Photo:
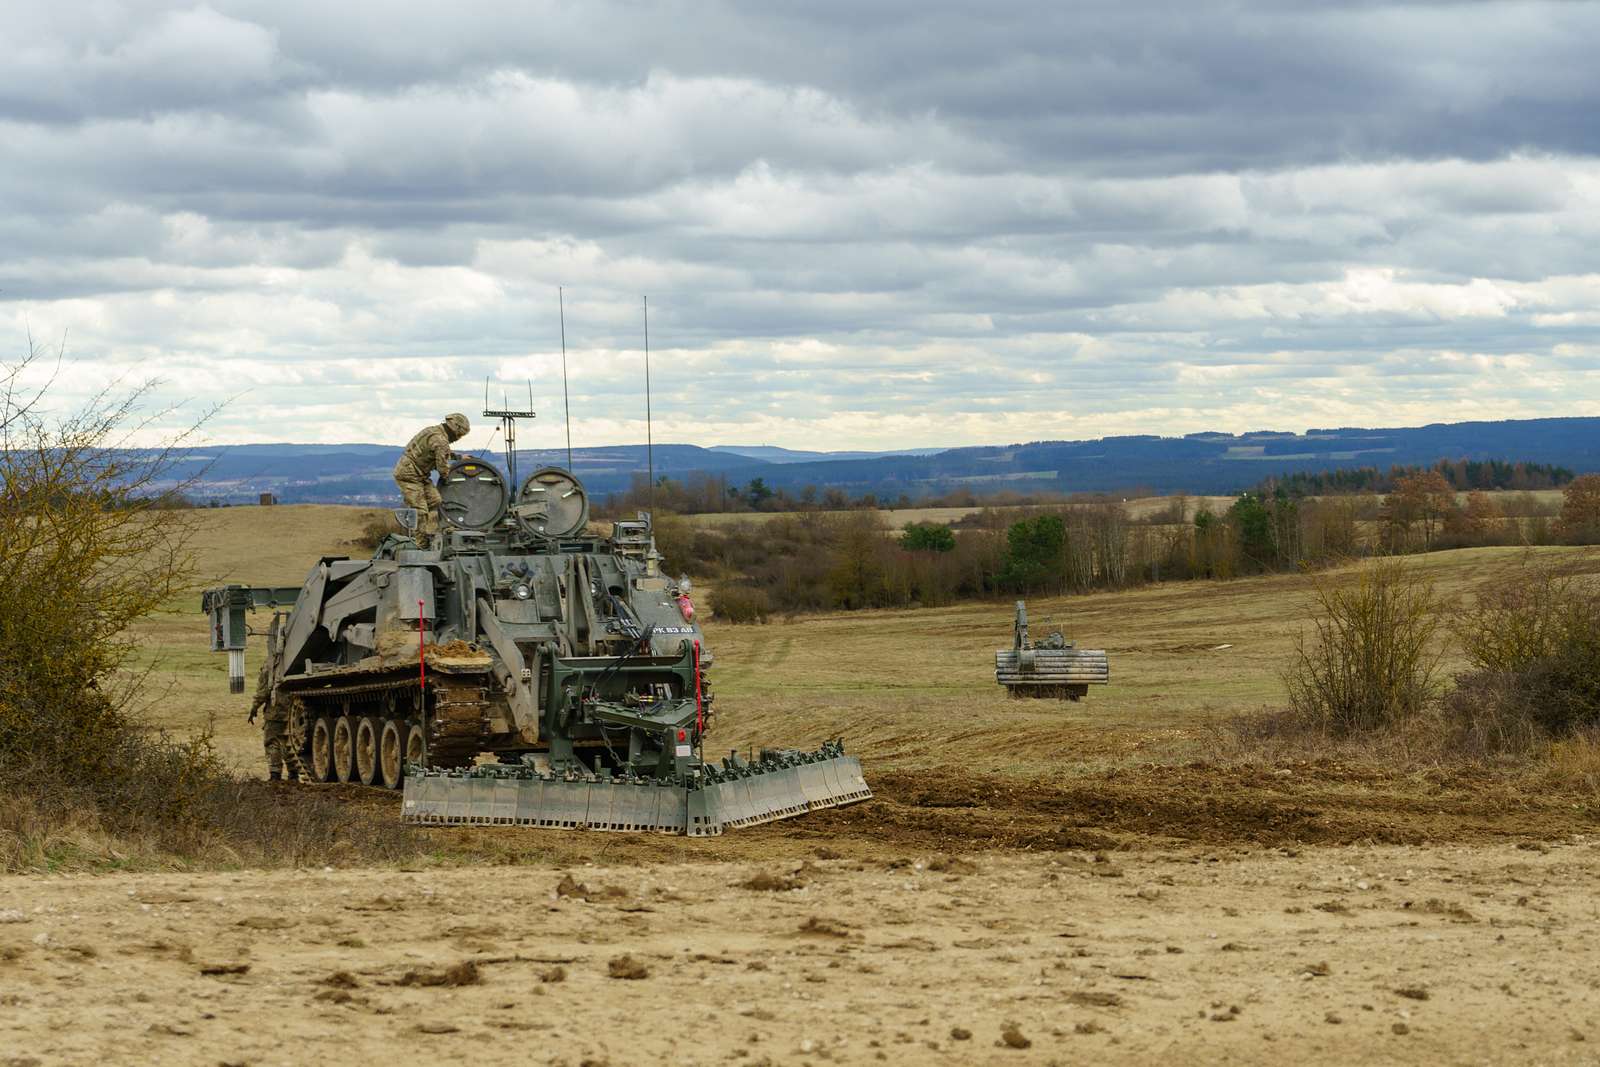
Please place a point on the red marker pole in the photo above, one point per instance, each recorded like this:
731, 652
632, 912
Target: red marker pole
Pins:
699, 705
422, 648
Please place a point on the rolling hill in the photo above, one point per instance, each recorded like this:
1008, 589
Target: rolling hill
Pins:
1197, 463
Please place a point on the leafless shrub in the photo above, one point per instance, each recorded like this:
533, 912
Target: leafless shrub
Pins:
1371, 659
741, 603
375, 526
1533, 640
89, 549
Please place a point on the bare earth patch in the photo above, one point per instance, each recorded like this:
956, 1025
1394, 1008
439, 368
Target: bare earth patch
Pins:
1033, 959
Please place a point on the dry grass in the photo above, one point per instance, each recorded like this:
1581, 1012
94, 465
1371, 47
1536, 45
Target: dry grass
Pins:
908, 689
236, 823
914, 691
275, 545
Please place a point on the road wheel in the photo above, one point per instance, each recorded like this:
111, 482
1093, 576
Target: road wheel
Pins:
344, 749
392, 753
322, 750
416, 746
367, 731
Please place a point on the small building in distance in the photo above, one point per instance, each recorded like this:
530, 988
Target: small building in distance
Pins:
268, 498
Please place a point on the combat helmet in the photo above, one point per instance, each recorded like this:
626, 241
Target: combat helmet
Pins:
456, 425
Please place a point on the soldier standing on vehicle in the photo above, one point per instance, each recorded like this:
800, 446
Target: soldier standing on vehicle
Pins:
428, 451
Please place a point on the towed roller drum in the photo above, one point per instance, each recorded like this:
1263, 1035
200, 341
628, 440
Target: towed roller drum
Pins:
1051, 672
1052, 668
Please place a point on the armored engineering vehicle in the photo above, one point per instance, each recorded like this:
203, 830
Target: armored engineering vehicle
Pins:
1050, 668
520, 671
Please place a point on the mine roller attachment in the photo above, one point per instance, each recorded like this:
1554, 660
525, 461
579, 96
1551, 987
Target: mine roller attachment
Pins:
1049, 668
736, 792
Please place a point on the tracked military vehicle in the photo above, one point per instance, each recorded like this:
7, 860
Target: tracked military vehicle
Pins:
1049, 668
520, 671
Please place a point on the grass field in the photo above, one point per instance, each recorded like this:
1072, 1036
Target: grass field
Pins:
909, 689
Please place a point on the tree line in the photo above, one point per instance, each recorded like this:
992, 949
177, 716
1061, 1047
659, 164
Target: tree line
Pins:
820, 561
1460, 474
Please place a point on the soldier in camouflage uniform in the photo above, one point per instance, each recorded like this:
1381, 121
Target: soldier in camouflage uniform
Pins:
429, 451
275, 729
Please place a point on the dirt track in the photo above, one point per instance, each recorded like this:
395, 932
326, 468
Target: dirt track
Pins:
1372, 954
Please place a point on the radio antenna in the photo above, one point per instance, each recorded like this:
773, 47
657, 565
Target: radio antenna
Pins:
566, 399
649, 435
508, 417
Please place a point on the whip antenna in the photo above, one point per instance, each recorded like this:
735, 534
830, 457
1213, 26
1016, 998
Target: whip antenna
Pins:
566, 400
649, 437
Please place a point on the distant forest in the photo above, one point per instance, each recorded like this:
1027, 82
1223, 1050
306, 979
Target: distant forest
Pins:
1462, 475
699, 493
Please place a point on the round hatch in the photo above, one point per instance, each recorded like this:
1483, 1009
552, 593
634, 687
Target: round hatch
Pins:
473, 495
552, 503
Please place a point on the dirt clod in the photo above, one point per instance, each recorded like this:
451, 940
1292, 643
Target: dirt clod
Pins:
1013, 1037
960, 1033
816, 926
767, 882
1413, 992
1092, 999
1451, 911
462, 974
628, 968
216, 969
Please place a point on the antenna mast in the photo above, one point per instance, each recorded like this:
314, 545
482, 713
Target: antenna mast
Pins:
508, 423
649, 435
566, 400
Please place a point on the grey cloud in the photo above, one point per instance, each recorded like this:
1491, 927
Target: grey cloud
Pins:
853, 220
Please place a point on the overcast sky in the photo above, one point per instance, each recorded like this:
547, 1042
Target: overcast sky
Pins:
859, 225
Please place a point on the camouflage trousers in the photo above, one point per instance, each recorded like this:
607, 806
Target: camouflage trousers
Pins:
419, 493
275, 737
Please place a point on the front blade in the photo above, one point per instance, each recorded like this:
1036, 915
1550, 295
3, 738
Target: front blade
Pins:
625, 806
746, 794
779, 786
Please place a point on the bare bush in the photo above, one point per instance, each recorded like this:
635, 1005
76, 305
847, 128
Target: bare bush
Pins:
1522, 619
1533, 640
741, 604
1371, 659
375, 526
89, 548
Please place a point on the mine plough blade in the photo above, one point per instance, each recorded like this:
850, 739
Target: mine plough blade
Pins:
734, 793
